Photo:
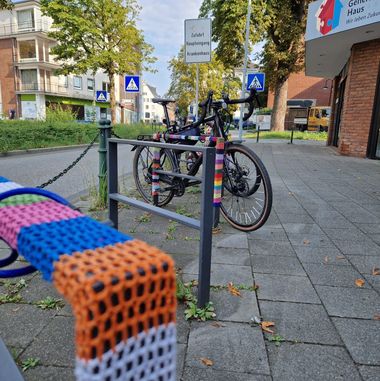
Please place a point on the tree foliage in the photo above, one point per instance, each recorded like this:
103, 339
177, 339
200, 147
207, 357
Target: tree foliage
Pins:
5, 4
97, 35
212, 76
228, 29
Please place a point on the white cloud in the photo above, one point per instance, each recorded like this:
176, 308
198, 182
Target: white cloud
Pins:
163, 26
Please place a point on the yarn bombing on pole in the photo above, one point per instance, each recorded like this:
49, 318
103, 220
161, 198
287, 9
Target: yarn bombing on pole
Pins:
122, 290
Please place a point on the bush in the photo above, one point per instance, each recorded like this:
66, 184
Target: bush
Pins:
55, 113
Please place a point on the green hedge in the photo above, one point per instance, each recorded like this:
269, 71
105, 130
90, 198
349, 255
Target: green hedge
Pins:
22, 134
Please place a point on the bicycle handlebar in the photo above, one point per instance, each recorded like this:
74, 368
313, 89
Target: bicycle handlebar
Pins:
250, 100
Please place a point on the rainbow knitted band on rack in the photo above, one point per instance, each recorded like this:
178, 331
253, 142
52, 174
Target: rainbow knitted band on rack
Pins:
122, 290
219, 160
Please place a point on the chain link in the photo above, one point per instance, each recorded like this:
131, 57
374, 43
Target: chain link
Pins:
116, 135
67, 169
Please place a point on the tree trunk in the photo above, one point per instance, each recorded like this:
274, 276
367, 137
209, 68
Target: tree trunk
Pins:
279, 107
112, 97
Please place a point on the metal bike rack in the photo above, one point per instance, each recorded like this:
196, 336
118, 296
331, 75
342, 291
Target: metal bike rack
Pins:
204, 224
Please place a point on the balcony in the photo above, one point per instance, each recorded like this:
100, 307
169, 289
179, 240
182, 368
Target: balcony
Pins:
33, 62
7, 30
41, 87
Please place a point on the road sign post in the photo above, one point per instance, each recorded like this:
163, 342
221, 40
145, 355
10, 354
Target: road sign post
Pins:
132, 85
101, 96
197, 47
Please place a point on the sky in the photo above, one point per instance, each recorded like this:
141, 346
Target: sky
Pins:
163, 26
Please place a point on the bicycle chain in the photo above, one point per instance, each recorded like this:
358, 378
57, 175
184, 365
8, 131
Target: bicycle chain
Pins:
67, 169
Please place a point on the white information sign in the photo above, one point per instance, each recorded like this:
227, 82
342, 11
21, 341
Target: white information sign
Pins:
197, 40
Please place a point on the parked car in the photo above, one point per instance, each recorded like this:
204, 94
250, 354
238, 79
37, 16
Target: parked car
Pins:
247, 125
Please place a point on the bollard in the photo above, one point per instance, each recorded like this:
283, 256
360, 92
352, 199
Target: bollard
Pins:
291, 136
258, 133
104, 134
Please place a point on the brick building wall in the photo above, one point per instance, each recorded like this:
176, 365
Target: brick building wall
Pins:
7, 77
304, 87
359, 98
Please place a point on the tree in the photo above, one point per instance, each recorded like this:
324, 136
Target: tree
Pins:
281, 24
228, 29
5, 4
212, 76
97, 35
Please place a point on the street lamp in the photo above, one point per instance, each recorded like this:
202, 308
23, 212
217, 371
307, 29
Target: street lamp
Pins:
325, 87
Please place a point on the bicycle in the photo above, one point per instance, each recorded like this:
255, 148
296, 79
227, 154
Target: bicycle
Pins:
247, 190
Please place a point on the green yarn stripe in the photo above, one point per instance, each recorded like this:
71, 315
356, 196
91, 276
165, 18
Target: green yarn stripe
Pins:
22, 199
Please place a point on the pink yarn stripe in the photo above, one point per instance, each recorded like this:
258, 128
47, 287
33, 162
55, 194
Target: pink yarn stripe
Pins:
13, 218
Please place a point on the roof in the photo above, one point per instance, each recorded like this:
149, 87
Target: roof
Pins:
153, 90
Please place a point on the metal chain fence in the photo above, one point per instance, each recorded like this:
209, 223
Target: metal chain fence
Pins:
72, 165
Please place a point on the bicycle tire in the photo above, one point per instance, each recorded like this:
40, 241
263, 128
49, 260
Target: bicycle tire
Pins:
263, 181
146, 189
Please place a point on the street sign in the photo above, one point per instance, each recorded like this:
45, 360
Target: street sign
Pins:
197, 40
132, 83
256, 81
101, 96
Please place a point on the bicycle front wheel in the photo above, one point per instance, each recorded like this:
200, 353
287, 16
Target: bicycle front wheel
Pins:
247, 190
142, 173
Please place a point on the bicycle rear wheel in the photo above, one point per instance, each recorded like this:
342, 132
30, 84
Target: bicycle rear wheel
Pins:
247, 190
142, 173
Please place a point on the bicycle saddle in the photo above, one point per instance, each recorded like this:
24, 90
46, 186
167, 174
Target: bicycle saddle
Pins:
163, 101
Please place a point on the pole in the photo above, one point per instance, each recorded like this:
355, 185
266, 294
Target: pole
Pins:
197, 93
105, 134
244, 68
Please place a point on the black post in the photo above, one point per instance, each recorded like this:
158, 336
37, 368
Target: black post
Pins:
207, 217
258, 133
291, 136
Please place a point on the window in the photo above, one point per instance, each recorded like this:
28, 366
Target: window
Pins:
77, 82
63, 81
25, 19
106, 87
147, 107
147, 115
27, 49
90, 84
29, 79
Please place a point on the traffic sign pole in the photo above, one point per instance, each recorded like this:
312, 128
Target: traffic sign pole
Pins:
244, 69
197, 94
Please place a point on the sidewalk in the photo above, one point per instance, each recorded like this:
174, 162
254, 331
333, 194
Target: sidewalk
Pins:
322, 236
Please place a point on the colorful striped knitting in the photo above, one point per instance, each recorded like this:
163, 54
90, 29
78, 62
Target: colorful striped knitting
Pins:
219, 160
122, 290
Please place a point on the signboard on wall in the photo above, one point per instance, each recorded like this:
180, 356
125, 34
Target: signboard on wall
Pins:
327, 17
197, 40
28, 109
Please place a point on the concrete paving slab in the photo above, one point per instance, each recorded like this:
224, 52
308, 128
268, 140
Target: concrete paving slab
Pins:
374, 281
275, 235
295, 218
230, 256
362, 339
349, 302
370, 373
299, 228
311, 240
367, 247
235, 241
299, 322
183, 326
260, 247
239, 309
300, 362
348, 234
230, 348
369, 228
325, 255
55, 344
49, 373
365, 264
20, 323
222, 274
180, 360
286, 288
38, 289
332, 275
277, 265
192, 374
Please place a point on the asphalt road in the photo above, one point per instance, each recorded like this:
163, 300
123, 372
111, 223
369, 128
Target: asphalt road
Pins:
35, 169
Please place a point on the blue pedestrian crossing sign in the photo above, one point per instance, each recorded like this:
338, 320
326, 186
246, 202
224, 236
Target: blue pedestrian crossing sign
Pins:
256, 81
101, 96
132, 83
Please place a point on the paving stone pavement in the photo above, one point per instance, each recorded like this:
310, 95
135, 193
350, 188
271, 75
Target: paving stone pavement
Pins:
323, 235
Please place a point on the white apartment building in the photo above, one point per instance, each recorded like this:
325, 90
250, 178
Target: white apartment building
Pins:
151, 112
28, 83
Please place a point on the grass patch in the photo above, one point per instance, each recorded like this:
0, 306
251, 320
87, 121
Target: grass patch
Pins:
298, 135
12, 294
50, 303
25, 134
183, 211
29, 363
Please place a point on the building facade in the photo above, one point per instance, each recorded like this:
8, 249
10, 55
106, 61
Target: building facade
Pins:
343, 43
28, 83
151, 112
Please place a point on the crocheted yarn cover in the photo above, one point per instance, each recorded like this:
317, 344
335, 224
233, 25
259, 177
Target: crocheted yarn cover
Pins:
122, 290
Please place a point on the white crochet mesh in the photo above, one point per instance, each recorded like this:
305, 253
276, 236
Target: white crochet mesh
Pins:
8, 186
151, 356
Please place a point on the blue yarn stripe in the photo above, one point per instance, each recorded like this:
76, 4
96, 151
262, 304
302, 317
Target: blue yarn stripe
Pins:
43, 244
3, 180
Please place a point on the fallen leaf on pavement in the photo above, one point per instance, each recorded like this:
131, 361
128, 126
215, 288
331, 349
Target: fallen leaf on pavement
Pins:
265, 326
306, 242
233, 290
216, 324
326, 259
340, 257
376, 317
359, 282
375, 271
207, 361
